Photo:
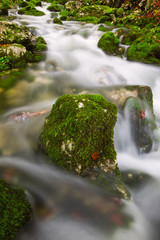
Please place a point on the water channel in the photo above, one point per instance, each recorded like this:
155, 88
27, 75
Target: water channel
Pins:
74, 64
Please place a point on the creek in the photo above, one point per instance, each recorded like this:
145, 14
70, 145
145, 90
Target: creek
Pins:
74, 64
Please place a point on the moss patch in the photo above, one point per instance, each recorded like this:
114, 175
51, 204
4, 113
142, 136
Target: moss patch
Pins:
30, 10
77, 127
146, 48
54, 7
41, 45
15, 211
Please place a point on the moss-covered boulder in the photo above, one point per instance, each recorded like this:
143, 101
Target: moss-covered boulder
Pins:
54, 7
12, 33
79, 132
18, 46
30, 10
15, 211
57, 21
41, 45
108, 43
15, 53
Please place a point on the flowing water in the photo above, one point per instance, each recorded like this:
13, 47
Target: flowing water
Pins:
72, 209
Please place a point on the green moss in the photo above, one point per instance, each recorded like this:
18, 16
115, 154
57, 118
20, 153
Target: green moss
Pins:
146, 48
120, 11
15, 211
131, 36
104, 19
108, 43
30, 11
8, 80
103, 29
54, 7
57, 21
108, 10
4, 63
23, 4
93, 20
78, 126
41, 45
64, 14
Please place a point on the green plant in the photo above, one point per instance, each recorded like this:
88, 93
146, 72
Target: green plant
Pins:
4, 63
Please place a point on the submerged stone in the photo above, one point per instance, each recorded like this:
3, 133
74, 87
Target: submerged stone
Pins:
78, 128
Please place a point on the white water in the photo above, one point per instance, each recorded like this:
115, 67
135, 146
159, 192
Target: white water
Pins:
74, 62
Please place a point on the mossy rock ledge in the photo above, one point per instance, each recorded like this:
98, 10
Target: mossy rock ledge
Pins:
18, 46
78, 136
